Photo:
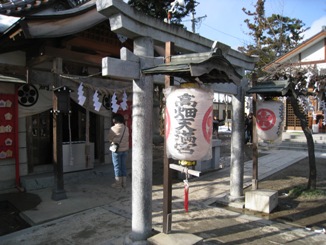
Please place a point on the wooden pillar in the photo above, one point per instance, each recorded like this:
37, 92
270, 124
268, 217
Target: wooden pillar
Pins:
58, 192
167, 174
87, 145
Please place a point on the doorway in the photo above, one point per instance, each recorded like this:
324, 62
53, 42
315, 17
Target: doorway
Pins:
39, 139
40, 136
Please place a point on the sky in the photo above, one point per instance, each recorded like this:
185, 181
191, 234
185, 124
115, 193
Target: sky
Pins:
224, 21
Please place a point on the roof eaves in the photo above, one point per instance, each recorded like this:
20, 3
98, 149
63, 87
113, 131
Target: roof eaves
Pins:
11, 79
314, 38
209, 67
271, 88
7, 23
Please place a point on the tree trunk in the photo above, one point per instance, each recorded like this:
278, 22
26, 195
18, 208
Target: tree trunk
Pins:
312, 182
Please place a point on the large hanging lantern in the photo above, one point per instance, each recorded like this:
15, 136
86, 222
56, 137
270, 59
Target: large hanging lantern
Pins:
189, 123
269, 120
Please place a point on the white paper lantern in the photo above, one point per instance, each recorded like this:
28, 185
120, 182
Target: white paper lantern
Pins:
269, 120
189, 123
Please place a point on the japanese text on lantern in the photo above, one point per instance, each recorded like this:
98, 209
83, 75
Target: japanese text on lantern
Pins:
185, 114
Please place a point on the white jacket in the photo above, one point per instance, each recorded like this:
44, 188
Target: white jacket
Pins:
115, 134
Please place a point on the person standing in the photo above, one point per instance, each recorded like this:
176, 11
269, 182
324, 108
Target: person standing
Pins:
249, 125
119, 133
245, 128
216, 123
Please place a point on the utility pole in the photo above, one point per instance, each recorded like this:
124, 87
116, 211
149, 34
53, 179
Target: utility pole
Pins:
195, 21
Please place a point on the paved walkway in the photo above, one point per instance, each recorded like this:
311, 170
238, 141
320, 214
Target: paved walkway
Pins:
94, 213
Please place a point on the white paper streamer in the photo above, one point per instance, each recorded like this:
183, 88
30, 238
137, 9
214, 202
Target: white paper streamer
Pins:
124, 104
97, 103
115, 106
81, 97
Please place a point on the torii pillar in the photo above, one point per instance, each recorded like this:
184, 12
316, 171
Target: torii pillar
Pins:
128, 68
237, 142
142, 154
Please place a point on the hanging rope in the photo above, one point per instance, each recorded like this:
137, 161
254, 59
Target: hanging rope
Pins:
106, 86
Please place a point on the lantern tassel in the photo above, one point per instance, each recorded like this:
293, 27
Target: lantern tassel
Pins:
186, 192
186, 200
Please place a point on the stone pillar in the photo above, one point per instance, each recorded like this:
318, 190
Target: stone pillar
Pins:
142, 155
237, 147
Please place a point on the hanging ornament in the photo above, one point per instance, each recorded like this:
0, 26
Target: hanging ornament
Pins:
81, 97
186, 192
124, 104
106, 102
27, 95
115, 105
97, 104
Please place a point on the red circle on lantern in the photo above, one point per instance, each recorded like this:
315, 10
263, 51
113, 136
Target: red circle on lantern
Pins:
266, 119
167, 123
207, 125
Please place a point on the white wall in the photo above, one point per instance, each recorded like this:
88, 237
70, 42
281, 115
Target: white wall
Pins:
314, 53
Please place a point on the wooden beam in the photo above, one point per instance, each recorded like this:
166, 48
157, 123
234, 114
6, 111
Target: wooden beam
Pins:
67, 55
38, 60
109, 49
184, 170
9, 70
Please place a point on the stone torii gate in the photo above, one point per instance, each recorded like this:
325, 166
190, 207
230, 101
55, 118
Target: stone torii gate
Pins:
142, 157
149, 34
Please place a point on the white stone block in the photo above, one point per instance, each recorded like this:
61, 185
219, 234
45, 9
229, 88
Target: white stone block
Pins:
261, 200
214, 162
175, 238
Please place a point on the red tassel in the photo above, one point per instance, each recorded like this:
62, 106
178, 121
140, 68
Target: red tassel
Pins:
186, 194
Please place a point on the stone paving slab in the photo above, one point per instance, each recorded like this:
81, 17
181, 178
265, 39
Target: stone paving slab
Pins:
93, 226
94, 213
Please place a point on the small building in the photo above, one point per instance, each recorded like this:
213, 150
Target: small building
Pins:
310, 55
98, 50
53, 43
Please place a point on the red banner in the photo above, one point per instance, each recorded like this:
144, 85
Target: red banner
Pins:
7, 126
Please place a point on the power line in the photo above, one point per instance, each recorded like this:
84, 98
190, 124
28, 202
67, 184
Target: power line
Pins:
195, 21
227, 34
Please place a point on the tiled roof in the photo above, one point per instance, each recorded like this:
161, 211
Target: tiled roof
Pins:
300, 48
211, 67
15, 7
6, 22
18, 7
271, 88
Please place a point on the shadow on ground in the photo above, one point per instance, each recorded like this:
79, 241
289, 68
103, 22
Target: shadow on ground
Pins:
11, 204
301, 211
